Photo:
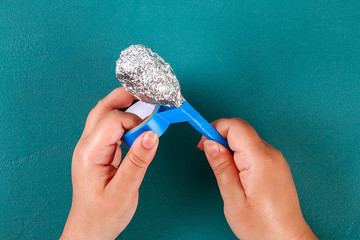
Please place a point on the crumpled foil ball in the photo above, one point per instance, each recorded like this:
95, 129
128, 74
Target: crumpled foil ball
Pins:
148, 77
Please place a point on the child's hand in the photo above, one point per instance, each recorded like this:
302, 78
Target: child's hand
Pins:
260, 199
105, 196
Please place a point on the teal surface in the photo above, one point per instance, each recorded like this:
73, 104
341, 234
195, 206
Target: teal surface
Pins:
290, 68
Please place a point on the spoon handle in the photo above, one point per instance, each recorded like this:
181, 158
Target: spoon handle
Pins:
203, 126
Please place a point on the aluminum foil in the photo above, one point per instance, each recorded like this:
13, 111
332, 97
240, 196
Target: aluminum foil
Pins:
148, 77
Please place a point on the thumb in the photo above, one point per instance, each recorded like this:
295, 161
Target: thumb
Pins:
226, 173
133, 168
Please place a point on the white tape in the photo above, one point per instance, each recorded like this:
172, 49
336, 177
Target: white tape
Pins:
141, 109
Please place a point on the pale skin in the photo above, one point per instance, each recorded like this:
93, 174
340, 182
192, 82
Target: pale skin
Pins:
260, 198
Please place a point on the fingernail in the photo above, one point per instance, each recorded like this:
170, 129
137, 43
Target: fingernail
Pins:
150, 139
211, 148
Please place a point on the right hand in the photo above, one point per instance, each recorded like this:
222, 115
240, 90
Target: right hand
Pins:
260, 198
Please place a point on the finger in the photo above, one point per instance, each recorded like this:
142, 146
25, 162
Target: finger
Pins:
226, 173
133, 168
117, 156
203, 138
201, 143
251, 154
239, 134
118, 98
101, 143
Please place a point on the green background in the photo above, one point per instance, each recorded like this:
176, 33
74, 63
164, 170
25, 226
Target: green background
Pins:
290, 68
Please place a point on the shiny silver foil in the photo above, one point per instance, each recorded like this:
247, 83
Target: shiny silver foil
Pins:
148, 77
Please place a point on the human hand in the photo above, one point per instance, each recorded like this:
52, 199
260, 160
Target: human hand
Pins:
260, 198
105, 195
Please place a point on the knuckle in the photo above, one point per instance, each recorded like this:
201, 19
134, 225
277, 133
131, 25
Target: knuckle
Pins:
114, 114
100, 103
222, 120
279, 158
236, 121
273, 159
246, 129
120, 90
137, 160
242, 161
222, 167
81, 156
241, 122
91, 114
277, 153
219, 122
273, 154
79, 149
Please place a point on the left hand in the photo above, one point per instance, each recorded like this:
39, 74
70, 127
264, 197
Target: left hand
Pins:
105, 195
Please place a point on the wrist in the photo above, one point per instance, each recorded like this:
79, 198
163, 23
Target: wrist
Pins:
305, 233
77, 228
75, 231
308, 235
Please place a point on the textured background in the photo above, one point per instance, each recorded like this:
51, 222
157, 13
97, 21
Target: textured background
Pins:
290, 68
